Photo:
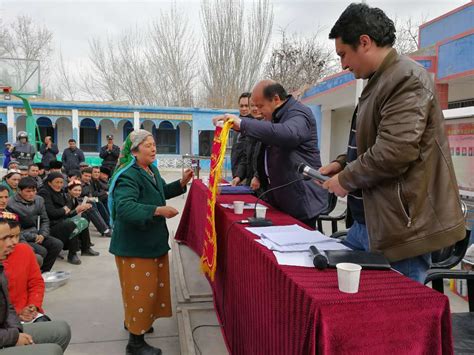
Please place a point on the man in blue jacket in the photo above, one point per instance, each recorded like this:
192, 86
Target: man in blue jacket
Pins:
289, 136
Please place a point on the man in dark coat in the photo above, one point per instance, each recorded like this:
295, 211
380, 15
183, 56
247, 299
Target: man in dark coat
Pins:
290, 138
48, 150
238, 154
72, 157
110, 153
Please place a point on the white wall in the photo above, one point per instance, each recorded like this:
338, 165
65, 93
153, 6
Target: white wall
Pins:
184, 138
461, 90
340, 129
64, 129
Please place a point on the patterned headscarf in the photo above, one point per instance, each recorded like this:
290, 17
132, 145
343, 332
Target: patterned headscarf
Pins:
125, 162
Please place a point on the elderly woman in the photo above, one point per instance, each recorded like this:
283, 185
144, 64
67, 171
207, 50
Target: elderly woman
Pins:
137, 201
61, 224
11, 180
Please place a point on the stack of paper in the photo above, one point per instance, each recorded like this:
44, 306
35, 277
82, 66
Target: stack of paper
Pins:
290, 244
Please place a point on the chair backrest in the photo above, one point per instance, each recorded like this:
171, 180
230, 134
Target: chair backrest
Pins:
331, 205
449, 257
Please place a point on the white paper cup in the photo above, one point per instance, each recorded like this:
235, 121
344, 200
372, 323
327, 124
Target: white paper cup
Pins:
348, 276
260, 211
238, 207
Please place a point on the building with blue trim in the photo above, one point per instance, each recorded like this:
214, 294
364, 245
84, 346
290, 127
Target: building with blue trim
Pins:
177, 131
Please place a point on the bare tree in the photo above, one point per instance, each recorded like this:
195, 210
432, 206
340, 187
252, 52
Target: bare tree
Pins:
234, 47
174, 54
298, 62
66, 85
25, 39
407, 35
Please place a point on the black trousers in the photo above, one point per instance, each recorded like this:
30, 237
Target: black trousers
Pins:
93, 216
49, 249
64, 229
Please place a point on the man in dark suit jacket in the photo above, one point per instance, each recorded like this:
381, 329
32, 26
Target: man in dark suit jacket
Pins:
290, 138
238, 153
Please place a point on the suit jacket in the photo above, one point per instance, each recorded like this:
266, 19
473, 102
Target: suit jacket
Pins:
290, 139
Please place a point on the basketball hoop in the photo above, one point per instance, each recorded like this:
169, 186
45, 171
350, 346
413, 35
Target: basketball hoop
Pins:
6, 90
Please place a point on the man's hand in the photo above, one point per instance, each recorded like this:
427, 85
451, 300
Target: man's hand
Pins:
187, 176
24, 339
235, 181
255, 183
333, 185
218, 120
67, 209
329, 170
166, 211
39, 239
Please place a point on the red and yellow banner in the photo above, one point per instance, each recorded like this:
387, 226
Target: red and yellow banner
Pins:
209, 253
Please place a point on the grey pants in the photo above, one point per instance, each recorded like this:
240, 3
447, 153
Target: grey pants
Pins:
50, 338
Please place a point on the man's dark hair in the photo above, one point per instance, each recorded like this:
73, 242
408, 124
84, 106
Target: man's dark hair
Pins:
32, 165
86, 171
361, 19
271, 90
245, 95
72, 140
74, 173
3, 188
95, 167
27, 183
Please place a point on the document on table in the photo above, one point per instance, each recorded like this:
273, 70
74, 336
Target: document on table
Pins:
287, 238
247, 205
258, 231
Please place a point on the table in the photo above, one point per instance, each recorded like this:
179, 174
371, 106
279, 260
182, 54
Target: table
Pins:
266, 308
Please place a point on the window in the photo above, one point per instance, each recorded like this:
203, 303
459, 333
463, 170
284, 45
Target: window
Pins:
89, 137
166, 138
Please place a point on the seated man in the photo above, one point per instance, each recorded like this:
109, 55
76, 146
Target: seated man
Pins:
33, 172
88, 190
25, 283
35, 223
48, 338
104, 177
99, 190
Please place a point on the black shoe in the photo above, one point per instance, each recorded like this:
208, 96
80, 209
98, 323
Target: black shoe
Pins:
138, 346
107, 233
90, 252
72, 258
149, 331
92, 244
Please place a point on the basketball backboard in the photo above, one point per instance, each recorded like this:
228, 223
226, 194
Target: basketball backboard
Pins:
21, 75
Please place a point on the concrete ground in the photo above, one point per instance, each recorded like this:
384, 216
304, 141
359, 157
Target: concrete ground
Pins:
91, 302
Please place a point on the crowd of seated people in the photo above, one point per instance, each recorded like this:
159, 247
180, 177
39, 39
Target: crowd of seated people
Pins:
42, 212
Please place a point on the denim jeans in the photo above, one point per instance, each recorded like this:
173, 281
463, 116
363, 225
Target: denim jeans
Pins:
415, 268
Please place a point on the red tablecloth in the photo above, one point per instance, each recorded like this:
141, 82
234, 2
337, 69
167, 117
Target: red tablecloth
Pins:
266, 308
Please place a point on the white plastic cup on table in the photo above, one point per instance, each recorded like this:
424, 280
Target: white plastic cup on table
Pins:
205, 180
260, 211
238, 207
348, 277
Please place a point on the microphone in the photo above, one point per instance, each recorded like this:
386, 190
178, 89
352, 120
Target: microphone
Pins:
311, 173
263, 222
320, 261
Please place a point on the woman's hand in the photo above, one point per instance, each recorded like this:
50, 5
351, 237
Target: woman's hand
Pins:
67, 209
187, 176
166, 211
82, 208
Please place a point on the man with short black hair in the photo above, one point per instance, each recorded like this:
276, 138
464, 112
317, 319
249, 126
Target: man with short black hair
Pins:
110, 153
33, 172
48, 150
289, 134
237, 155
72, 157
34, 222
397, 173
